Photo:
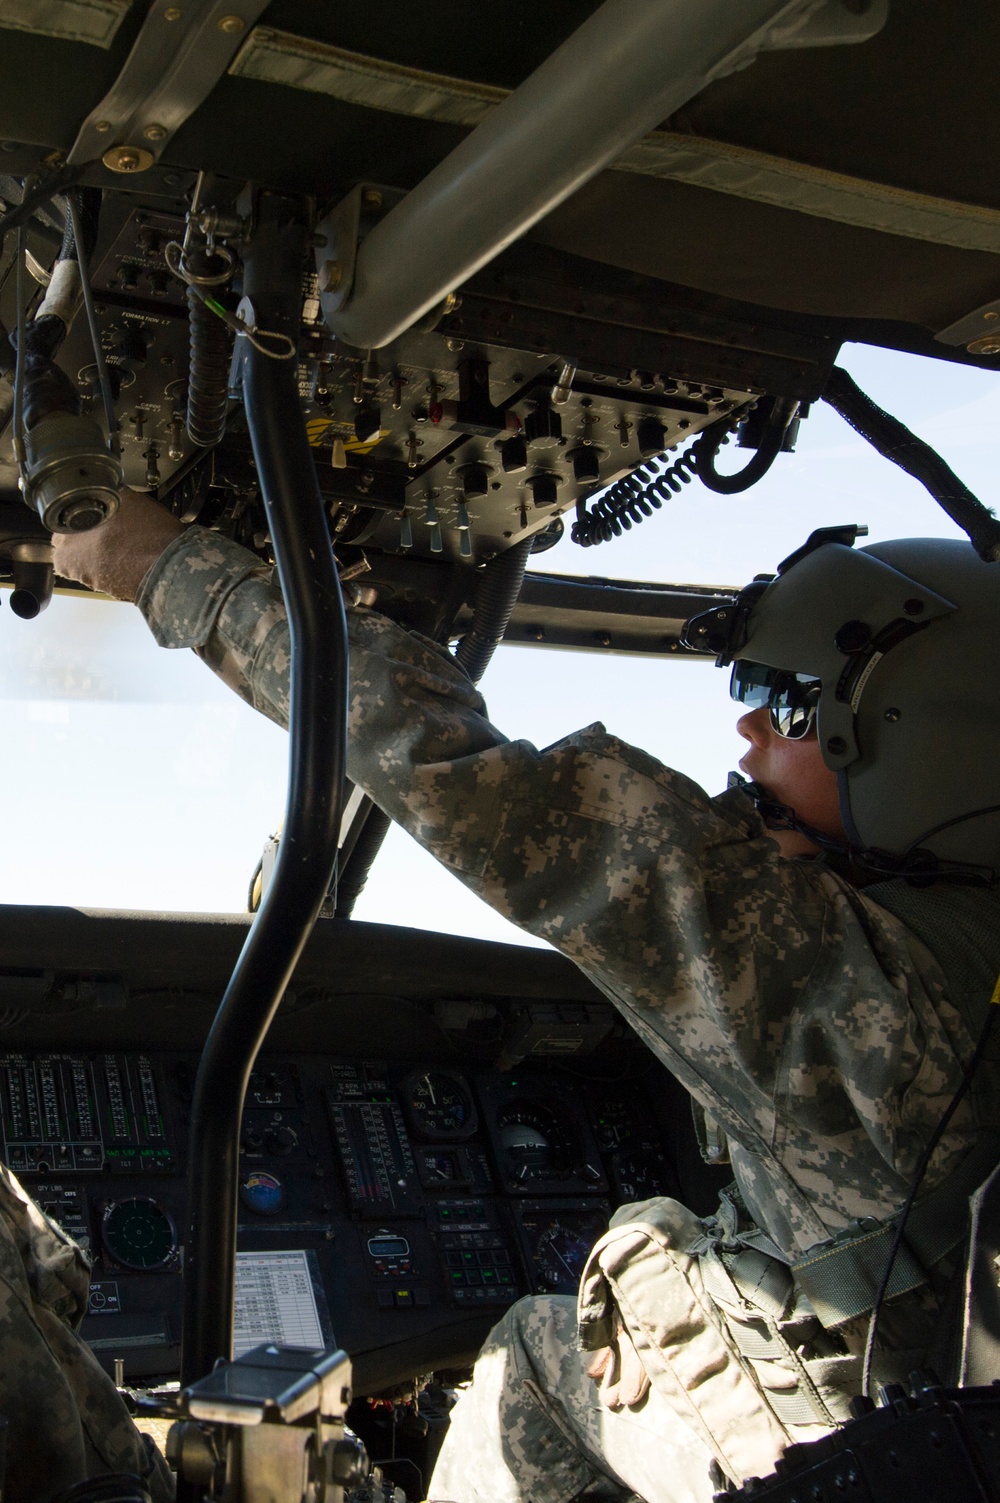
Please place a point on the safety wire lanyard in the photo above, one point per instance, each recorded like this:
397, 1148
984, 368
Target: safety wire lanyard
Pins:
174, 256
928, 1154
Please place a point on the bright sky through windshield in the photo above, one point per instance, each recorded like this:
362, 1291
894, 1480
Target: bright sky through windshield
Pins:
137, 781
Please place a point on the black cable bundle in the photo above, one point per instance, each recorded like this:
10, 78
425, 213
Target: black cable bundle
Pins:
894, 441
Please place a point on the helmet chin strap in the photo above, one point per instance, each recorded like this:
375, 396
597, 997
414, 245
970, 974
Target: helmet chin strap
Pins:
921, 867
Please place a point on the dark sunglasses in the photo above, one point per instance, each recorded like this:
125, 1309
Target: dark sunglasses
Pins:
792, 699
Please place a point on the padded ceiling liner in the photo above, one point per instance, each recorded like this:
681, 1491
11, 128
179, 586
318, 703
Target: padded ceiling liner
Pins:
771, 257
915, 108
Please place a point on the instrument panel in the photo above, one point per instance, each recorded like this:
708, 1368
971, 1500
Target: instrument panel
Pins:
383, 1202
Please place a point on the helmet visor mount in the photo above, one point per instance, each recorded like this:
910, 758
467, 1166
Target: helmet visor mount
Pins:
791, 699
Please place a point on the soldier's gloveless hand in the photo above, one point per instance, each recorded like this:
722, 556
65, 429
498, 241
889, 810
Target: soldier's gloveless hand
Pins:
113, 559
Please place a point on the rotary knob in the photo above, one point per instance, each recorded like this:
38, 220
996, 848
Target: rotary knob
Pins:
651, 437
543, 427
475, 481
543, 489
280, 1140
586, 464
514, 454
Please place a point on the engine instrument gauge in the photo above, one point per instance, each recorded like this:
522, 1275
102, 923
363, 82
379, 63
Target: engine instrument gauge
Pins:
138, 1233
439, 1106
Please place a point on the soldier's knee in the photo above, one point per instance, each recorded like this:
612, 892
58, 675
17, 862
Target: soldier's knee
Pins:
534, 1320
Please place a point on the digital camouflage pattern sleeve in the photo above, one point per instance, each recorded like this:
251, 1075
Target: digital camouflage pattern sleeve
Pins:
66, 1419
806, 1019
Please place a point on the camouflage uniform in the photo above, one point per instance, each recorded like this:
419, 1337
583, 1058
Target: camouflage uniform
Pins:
803, 1016
66, 1419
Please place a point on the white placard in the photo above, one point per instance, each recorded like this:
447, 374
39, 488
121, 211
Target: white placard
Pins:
275, 1301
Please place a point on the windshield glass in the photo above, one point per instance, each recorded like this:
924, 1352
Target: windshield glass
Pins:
138, 781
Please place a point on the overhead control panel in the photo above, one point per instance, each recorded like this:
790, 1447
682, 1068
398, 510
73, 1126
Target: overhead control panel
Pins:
449, 445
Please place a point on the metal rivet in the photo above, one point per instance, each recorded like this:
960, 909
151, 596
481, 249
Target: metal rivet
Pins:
913, 607
231, 25
836, 746
102, 127
990, 314
331, 274
990, 345
127, 159
372, 198
155, 132
892, 714
172, 13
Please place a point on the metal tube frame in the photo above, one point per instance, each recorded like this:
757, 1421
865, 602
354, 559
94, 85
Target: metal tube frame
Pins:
618, 76
317, 754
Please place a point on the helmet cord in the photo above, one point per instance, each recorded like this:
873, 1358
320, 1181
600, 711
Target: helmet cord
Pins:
915, 864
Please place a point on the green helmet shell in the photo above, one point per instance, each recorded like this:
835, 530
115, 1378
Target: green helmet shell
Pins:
905, 638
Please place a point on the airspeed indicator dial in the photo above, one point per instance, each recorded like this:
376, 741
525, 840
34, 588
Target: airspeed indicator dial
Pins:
439, 1106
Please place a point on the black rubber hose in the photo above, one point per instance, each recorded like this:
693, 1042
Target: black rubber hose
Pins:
704, 451
894, 441
210, 352
496, 597
274, 264
357, 867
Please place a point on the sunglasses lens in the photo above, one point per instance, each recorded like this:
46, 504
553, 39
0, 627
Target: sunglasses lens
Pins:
791, 698
793, 721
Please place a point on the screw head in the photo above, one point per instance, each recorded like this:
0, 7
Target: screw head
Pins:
892, 714
990, 314
372, 198
127, 159
102, 127
172, 13
231, 25
155, 132
331, 274
989, 345
836, 746
913, 607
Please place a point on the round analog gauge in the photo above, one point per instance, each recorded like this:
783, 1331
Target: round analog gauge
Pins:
439, 1105
559, 1245
561, 1255
536, 1145
439, 1168
139, 1234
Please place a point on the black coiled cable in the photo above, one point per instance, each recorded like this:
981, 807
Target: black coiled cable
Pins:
208, 373
637, 495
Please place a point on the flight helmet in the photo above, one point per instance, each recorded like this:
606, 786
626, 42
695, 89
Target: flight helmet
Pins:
891, 653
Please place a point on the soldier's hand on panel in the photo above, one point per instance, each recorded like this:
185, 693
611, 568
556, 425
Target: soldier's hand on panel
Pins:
114, 558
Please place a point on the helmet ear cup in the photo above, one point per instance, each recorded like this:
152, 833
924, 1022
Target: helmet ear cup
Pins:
928, 721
